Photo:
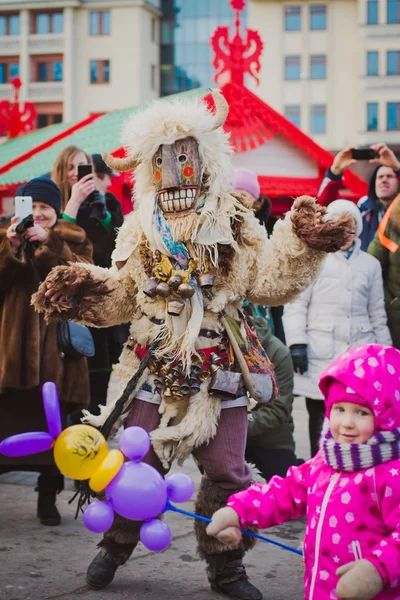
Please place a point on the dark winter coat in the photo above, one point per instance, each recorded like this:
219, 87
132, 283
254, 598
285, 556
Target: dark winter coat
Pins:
271, 425
390, 262
371, 208
29, 350
103, 241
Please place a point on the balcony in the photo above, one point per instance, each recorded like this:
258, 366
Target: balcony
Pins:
6, 91
381, 83
47, 91
47, 43
10, 45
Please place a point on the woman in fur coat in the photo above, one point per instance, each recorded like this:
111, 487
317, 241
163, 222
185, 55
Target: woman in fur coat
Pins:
29, 350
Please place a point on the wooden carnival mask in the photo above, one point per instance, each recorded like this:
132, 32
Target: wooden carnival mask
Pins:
177, 176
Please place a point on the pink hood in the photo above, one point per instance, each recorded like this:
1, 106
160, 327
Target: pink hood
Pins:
371, 371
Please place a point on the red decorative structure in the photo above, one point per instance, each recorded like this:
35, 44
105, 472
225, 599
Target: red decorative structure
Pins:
252, 123
14, 120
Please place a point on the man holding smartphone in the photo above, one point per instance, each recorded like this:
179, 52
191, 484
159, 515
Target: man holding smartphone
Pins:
384, 185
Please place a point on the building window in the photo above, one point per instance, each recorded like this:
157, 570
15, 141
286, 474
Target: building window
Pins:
372, 63
372, 12
318, 67
393, 62
9, 68
9, 25
393, 116
46, 120
292, 18
292, 113
292, 67
47, 68
50, 71
318, 16
318, 118
99, 71
46, 22
393, 11
372, 116
100, 22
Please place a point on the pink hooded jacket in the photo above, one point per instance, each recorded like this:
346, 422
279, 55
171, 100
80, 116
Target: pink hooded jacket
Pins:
350, 515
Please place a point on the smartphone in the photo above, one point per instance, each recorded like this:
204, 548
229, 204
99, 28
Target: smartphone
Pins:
363, 153
23, 206
84, 170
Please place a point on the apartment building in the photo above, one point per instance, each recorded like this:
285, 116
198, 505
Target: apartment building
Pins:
77, 57
332, 67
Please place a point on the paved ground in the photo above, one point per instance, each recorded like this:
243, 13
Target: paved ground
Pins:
49, 563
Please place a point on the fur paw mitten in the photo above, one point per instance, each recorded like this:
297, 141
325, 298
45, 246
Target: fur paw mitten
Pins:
310, 224
359, 580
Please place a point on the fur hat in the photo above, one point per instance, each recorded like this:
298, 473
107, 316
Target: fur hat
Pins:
338, 207
244, 179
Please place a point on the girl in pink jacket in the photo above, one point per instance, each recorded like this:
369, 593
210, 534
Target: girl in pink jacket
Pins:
350, 491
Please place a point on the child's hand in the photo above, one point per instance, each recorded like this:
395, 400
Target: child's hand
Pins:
359, 580
225, 526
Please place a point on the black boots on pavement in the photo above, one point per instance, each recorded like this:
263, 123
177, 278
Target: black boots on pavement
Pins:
102, 569
48, 486
227, 575
226, 572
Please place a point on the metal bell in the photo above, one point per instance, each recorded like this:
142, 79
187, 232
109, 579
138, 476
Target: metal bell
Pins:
176, 386
206, 280
163, 289
195, 388
185, 389
204, 375
150, 288
223, 348
196, 369
167, 393
214, 368
175, 307
185, 290
214, 358
174, 281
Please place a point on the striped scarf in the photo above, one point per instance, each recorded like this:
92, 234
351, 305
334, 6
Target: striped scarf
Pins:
382, 447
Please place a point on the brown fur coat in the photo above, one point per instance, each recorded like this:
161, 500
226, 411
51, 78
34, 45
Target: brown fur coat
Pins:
29, 351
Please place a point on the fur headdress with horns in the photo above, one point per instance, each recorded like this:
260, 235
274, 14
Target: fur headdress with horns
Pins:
165, 122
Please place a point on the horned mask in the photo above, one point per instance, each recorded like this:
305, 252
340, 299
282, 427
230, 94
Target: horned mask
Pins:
179, 175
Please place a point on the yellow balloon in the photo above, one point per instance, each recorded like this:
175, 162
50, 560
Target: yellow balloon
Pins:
106, 471
79, 450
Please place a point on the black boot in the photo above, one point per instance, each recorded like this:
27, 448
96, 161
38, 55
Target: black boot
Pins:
227, 575
102, 569
48, 486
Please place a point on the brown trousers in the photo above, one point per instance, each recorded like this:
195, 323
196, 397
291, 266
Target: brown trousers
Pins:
223, 460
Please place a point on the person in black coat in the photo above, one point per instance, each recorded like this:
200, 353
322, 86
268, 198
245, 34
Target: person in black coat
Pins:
87, 203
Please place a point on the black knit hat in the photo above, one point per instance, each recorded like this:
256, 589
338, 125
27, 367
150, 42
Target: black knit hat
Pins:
101, 167
42, 189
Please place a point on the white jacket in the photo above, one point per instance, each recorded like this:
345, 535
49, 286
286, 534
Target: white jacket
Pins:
343, 307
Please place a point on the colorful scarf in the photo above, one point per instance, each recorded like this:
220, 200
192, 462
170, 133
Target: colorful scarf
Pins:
382, 447
180, 332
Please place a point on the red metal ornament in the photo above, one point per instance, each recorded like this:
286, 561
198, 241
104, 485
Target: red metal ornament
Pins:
16, 120
188, 171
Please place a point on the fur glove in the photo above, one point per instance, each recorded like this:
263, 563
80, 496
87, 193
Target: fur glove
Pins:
225, 526
359, 580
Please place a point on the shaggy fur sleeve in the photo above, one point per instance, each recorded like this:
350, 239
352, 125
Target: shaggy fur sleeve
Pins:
288, 262
89, 295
